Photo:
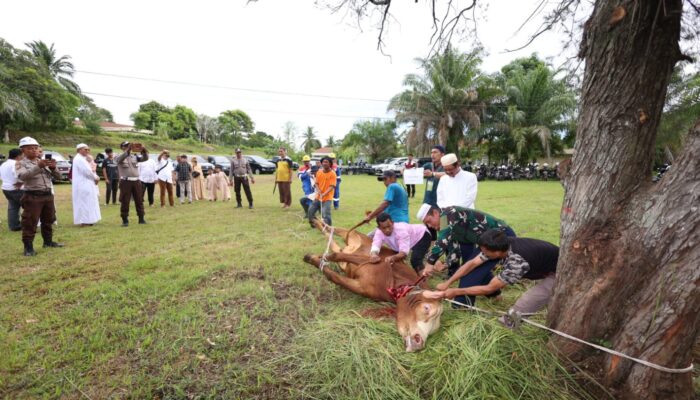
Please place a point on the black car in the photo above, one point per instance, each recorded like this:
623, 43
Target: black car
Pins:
206, 166
273, 160
422, 161
221, 161
260, 165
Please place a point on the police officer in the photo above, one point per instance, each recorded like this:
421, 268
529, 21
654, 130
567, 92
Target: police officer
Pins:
37, 201
238, 176
129, 183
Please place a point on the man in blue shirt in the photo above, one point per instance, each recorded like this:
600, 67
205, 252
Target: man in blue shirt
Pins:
305, 174
395, 202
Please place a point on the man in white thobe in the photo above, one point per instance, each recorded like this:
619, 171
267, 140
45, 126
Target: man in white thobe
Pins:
86, 204
457, 187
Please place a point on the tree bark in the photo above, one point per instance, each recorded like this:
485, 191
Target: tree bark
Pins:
628, 270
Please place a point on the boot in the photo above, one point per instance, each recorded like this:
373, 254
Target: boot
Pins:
125, 221
142, 221
250, 206
29, 249
51, 243
239, 205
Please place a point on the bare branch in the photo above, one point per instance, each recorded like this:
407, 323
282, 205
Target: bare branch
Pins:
554, 18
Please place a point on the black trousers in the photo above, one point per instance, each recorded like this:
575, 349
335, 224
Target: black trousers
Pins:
112, 189
419, 250
37, 208
237, 182
127, 190
148, 187
411, 190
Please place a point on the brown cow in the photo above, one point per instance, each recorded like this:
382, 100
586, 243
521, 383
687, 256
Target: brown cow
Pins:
416, 316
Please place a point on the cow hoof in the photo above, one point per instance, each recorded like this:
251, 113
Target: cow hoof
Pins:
311, 259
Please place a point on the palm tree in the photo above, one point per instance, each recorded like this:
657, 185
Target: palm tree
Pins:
13, 107
537, 105
60, 68
445, 104
310, 142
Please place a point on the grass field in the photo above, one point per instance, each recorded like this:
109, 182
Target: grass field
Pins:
208, 301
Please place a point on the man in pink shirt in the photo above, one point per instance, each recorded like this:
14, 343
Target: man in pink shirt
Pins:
402, 238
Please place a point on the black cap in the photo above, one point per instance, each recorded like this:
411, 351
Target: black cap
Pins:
389, 173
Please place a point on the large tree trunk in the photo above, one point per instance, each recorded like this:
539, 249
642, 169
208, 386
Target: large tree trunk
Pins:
628, 269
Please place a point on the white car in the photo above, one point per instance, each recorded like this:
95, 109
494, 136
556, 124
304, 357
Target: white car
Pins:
395, 164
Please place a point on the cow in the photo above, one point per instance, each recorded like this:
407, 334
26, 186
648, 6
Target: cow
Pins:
416, 316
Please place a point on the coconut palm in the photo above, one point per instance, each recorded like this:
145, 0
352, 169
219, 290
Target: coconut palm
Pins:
444, 104
310, 142
538, 104
61, 68
13, 106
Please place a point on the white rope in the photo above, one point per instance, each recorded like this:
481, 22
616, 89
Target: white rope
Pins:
575, 339
324, 262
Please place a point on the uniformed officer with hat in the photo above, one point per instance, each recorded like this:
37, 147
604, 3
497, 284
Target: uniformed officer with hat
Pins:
37, 201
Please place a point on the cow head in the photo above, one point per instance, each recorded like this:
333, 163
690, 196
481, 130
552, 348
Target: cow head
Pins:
416, 318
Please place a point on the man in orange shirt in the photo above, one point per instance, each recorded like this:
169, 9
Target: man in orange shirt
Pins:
326, 181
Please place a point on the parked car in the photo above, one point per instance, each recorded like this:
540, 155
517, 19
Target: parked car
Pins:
222, 161
273, 160
62, 164
395, 164
260, 165
206, 166
422, 161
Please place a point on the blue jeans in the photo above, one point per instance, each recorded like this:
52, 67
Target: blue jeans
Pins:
478, 276
13, 205
305, 204
325, 210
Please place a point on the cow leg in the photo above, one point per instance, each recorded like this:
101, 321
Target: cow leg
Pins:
334, 247
352, 285
349, 258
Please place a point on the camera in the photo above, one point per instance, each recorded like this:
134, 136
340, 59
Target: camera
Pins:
48, 157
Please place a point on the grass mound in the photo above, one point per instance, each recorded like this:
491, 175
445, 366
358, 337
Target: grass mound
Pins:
471, 357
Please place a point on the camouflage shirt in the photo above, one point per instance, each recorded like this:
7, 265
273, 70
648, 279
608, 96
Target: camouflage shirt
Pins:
461, 225
514, 268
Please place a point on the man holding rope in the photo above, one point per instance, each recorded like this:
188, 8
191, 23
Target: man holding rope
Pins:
521, 258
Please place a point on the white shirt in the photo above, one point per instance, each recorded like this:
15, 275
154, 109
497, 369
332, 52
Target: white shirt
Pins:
457, 191
147, 171
166, 173
7, 174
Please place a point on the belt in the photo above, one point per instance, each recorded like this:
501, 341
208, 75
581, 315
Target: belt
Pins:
131, 178
240, 176
38, 193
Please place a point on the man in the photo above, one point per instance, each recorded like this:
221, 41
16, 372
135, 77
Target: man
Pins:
433, 171
111, 175
461, 230
457, 188
283, 177
148, 177
410, 164
402, 238
325, 186
129, 184
164, 171
11, 188
238, 176
307, 183
37, 200
395, 202
521, 258
85, 189
337, 169
183, 171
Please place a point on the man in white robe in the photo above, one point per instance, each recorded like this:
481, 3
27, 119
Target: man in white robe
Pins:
86, 204
457, 187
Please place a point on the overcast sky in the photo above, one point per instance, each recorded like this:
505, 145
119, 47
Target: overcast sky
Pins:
266, 46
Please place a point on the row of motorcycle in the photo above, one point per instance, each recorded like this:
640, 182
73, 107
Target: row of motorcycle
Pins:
514, 172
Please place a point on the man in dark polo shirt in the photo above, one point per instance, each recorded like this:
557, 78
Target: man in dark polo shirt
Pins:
521, 258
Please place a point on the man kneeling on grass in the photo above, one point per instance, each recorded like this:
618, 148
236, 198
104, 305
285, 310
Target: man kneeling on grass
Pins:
521, 258
402, 238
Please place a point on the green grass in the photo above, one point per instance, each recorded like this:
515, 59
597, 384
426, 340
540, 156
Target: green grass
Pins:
208, 301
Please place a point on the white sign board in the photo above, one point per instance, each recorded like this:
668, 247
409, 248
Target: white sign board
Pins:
413, 176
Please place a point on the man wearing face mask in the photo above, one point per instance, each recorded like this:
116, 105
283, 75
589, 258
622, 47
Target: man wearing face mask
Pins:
37, 201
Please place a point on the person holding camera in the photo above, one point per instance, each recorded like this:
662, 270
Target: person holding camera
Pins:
37, 200
129, 183
86, 204
238, 176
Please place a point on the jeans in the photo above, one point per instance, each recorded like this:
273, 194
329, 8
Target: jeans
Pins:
14, 198
325, 211
305, 204
478, 276
185, 187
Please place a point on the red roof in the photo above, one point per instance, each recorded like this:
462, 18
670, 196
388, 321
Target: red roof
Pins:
324, 150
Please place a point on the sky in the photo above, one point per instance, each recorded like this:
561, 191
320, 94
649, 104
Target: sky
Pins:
277, 60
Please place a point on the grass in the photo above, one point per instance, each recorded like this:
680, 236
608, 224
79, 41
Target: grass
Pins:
209, 301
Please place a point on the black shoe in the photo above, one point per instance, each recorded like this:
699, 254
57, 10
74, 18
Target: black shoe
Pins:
125, 221
142, 221
239, 205
250, 206
29, 250
16, 230
52, 244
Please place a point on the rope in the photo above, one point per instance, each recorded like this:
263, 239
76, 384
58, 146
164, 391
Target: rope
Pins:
516, 317
324, 262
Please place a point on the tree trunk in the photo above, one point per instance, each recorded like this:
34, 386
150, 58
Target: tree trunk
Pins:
6, 135
628, 270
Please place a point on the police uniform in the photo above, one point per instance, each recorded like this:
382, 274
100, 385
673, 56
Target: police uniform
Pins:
37, 201
129, 186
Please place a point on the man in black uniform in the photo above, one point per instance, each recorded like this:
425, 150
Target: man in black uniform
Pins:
37, 200
521, 258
